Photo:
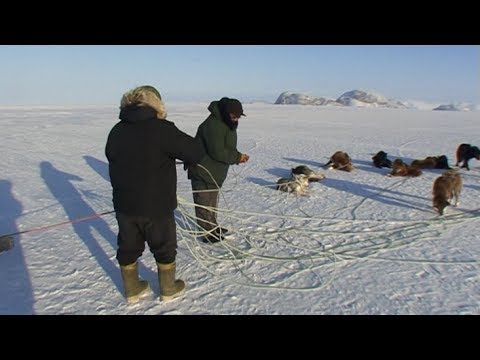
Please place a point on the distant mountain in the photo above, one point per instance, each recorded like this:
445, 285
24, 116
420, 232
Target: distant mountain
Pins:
355, 98
455, 107
360, 98
365, 99
287, 98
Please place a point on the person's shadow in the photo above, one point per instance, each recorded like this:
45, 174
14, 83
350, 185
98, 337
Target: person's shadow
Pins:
101, 167
16, 294
59, 184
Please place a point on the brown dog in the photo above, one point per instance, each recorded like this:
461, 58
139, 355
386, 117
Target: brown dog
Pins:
399, 168
340, 161
432, 162
428, 163
445, 188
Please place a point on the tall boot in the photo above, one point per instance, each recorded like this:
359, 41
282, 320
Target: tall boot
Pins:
169, 287
134, 287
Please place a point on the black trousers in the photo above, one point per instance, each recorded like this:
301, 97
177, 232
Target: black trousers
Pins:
159, 233
206, 219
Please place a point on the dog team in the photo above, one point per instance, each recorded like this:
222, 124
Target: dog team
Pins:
446, 188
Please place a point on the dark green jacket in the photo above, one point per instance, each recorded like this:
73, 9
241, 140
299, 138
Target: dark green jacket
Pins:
220, 142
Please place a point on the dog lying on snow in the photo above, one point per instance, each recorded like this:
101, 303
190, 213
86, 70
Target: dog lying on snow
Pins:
297, 184
305, 170
399, 168
340, 161
380, 160
446, 187
432, 162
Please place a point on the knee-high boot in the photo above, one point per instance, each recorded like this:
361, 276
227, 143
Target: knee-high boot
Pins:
134, 287
169, 287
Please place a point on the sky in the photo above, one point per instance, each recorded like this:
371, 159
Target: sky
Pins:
358, 243
99, 74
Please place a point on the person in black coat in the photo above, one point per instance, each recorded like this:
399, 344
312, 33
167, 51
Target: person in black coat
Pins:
141, 150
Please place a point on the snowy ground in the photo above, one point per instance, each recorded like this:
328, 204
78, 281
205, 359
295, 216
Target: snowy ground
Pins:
359, 243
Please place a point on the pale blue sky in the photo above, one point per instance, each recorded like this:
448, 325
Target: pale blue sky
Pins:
100, 74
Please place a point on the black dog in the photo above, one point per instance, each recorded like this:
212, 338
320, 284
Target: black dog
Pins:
305, 170
442, 162
380, 160
465, 152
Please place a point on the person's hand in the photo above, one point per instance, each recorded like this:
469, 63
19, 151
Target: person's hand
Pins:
244, 158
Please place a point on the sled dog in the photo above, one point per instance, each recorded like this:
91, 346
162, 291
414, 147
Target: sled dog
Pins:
297, 184
446, 187
305, 170
340, 161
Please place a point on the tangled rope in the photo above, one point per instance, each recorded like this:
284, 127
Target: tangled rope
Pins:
302, 253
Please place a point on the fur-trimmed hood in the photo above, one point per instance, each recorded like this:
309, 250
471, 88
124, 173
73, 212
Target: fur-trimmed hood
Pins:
144, 96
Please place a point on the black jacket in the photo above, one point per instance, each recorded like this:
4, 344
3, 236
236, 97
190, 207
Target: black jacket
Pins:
141, 150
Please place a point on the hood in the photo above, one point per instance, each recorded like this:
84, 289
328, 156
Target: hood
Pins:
135, 113
144, 96
218, 109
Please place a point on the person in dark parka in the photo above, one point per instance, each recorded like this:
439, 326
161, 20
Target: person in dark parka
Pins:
141, 150
218, 135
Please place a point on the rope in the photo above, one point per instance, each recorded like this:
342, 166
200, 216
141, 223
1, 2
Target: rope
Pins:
42, 228
306, 246
300, 248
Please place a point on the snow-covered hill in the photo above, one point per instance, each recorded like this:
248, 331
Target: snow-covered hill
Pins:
455, 107
288, 98
361, 98
356, 98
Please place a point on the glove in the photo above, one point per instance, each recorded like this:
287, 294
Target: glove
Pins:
244, 158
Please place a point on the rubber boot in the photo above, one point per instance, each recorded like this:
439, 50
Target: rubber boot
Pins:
134, 287
169, 287
6, 243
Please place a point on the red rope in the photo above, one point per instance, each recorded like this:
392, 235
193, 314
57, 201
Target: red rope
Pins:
59, 224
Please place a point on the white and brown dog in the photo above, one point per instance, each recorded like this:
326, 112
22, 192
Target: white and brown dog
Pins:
297, 184
446, 187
